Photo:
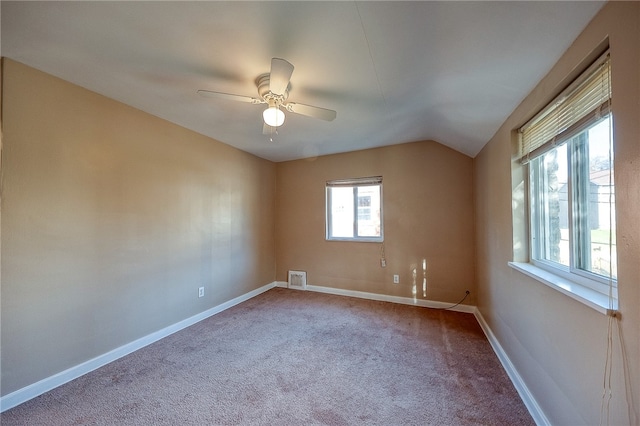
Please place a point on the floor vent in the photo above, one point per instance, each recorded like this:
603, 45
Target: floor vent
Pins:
297, 280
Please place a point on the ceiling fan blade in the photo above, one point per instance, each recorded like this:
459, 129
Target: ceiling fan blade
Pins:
281, 71
229, 97
312, 111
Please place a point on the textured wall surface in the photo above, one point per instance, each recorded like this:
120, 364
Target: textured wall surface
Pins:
427, 211
111, 221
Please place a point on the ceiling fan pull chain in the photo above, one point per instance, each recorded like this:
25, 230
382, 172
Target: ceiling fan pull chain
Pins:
271, 131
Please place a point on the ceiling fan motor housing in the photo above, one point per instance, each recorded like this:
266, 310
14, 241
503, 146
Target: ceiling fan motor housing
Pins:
265, 93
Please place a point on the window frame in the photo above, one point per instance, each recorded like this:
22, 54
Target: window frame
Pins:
354, 183
591, 288
573, 271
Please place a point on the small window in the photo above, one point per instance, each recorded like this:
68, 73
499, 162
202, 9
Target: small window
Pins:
568, 148
354, 209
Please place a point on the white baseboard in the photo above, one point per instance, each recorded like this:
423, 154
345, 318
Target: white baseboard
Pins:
526, 396
392, 299
31, 391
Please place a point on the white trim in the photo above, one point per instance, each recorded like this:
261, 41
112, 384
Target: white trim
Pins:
33, 390
585, 295
526, 396
329, 214
393, 299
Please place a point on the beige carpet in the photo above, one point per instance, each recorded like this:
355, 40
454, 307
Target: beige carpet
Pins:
289, 357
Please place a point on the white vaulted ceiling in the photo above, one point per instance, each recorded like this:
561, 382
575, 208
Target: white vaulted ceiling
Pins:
395, 72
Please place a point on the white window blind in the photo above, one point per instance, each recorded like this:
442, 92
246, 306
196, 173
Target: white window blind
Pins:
373, 180
584, 102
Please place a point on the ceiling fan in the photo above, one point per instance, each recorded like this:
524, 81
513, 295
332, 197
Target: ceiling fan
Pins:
273, 89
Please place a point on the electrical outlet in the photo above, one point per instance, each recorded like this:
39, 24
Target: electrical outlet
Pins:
396, 279
201, 292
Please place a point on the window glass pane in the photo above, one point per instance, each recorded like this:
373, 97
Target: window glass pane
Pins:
341, 212
369, 211
554, 215
601, 203
354, 212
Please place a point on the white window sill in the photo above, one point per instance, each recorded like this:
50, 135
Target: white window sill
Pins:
357, 240
585, 295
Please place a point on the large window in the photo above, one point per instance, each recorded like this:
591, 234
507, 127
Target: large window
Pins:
354, 209
569, 151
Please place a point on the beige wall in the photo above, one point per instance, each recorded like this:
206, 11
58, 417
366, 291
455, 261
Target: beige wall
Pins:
557, 344
111, 220
428, 214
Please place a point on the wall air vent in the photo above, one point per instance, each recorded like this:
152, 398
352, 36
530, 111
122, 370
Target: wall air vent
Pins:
297, 280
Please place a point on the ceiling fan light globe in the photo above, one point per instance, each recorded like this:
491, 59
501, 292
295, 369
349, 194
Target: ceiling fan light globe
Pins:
273, 116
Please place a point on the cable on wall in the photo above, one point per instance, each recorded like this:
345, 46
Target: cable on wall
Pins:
383, 259
613, 316
453, 306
